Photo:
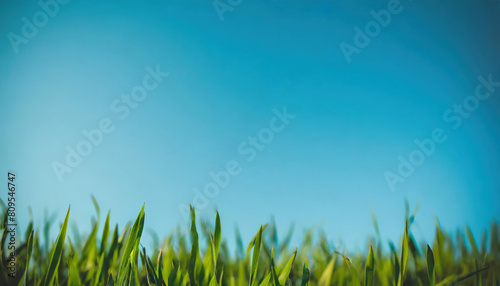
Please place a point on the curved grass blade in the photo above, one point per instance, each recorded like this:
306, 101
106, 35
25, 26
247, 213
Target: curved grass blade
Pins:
252, 242
255, 257
132, 240
56, 254
159, 268
352, 271
286, 271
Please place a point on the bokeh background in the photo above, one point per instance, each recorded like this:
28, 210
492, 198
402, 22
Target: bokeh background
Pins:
226, 75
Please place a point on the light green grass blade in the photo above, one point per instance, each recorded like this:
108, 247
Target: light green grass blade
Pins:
352, 271
56, 254
73, 274
96, 206
252, 242
133, 237
266, 279
369, 268
404, 254
286, 271
213, 281
326, 276
255, 257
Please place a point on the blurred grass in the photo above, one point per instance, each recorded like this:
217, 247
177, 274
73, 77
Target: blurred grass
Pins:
114, 258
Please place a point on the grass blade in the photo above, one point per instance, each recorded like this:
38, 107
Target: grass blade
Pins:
255, 257
56, 254
133, 237
369, 268
286, 271
431, 272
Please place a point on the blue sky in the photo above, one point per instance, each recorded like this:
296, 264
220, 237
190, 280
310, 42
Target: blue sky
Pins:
225, 77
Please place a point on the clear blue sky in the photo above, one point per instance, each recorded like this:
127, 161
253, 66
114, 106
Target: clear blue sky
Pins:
326, 167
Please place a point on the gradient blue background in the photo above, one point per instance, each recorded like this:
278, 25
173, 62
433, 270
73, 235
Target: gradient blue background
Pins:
326, 168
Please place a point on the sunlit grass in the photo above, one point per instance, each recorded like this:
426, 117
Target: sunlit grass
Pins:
118, 258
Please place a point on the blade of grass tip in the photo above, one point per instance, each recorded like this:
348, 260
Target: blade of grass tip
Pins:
404, 254
375, 224
55, 256
252, 242
124, 232
194, 248
274, 276
159, 268
352, 271
326, 276
431, 272
369, 268
28, 256
213, 281
266, 280
114, 244
216, 241
239, 243
484, 240
288, 238
255, 257
133, 236
472, 241
96, 206
105, 234
305, 274
286, 270
407, 209
417, 206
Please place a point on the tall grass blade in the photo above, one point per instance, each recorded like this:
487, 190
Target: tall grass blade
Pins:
55, 256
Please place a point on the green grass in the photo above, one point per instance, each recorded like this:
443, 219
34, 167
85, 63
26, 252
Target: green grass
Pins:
117, 258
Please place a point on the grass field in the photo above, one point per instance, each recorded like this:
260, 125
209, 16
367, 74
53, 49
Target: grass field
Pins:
116, 257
